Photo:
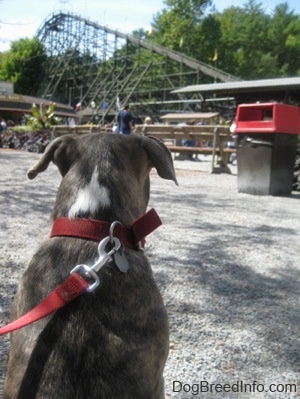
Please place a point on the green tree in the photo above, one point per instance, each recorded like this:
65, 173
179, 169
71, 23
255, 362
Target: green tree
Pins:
177, 26
256, 45
245, 41
206, 41
244, 44
284, 39
23, 65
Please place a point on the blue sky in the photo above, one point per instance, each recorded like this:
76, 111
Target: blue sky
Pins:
22, 18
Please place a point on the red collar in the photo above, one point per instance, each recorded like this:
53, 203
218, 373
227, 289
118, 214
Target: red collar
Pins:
97, 230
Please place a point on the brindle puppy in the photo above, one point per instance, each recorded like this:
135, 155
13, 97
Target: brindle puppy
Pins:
112, 343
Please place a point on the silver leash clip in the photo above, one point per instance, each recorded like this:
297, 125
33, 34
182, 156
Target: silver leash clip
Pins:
89, 273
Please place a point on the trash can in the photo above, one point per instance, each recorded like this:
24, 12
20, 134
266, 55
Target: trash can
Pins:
266, 135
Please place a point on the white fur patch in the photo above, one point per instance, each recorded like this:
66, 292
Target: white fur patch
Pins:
90, 198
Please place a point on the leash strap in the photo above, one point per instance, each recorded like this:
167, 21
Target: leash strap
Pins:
74, 286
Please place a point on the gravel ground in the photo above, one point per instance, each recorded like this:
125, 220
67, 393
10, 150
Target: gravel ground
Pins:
226, 264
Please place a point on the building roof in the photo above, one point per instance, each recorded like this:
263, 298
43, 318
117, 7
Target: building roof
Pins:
23, 104
278, 84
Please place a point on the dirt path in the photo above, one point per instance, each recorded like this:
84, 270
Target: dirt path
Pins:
227, 265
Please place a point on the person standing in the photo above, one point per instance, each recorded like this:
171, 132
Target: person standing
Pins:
147, 122
126, 121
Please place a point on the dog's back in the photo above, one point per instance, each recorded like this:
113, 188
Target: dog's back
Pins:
112, 343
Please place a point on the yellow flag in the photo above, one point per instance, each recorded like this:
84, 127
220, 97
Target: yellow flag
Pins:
215, 56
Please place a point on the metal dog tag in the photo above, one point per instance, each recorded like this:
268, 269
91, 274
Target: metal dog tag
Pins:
121, 260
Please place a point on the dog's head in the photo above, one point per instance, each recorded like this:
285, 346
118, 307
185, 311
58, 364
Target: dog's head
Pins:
105, 176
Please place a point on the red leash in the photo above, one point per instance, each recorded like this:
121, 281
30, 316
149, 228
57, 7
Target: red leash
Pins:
75, 285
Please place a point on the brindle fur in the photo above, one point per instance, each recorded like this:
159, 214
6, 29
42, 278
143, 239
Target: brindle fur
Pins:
112, 343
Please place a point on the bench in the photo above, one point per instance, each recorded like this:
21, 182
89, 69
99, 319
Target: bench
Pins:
218, 135
199, 150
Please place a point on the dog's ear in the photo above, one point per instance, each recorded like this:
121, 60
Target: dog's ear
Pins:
61, 151
160, 156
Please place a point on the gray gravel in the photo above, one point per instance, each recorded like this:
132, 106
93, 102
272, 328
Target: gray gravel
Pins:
226, 263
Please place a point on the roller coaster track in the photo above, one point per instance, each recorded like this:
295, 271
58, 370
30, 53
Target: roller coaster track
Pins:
89, 63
